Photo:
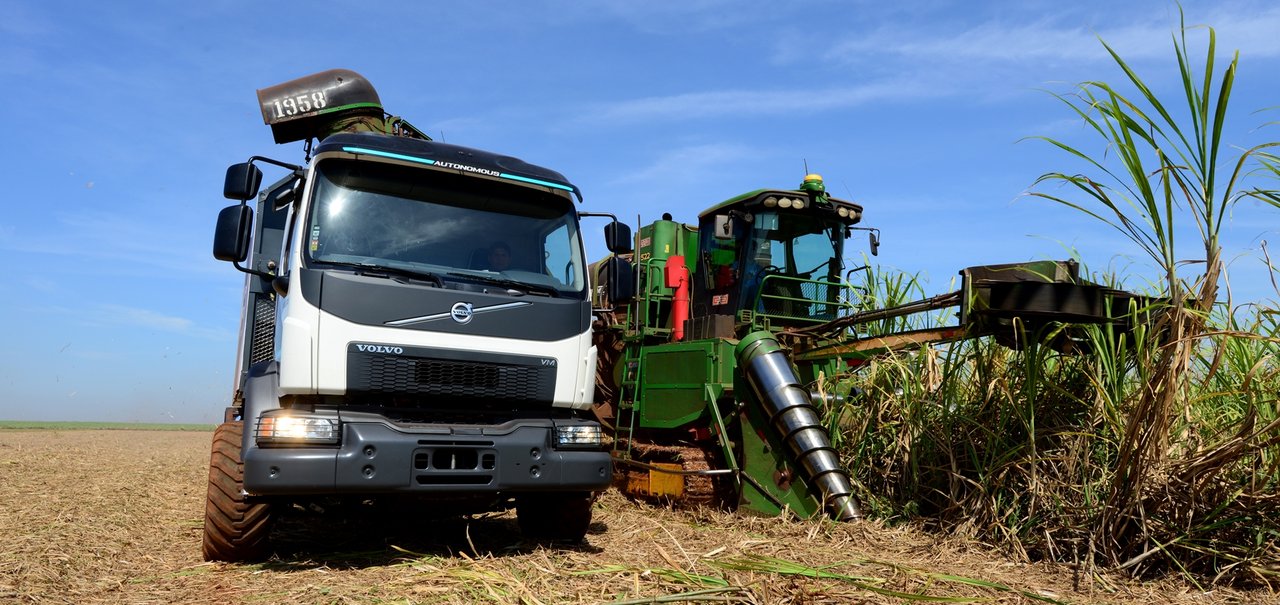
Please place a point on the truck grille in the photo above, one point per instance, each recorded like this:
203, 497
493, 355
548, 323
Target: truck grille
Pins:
464, 375
488, 377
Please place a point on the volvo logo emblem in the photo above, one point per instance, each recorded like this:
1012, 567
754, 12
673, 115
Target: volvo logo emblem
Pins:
461, 312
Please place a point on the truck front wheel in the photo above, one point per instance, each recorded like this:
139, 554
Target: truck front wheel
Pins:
555, 516
235, 529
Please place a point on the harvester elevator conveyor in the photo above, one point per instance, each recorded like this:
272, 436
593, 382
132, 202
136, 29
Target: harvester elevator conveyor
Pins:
1011, 301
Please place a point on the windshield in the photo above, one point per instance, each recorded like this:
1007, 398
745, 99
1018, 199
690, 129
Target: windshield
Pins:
792, 267
796, 245
452, 227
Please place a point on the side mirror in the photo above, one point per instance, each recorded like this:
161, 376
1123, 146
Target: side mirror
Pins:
617, 237
242, 183
723, 228
875, 243
231, 237
281, 285
619, 280
283, 196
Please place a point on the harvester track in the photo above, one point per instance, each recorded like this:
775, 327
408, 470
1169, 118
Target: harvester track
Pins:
704, 485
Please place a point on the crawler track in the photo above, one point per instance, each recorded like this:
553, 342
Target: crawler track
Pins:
699, 489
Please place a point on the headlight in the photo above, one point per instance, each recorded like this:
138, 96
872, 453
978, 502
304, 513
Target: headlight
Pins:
579, 436
296, 429
784, 202
843, 212
770, 202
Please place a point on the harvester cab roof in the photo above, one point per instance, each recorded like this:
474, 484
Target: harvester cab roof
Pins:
811, 198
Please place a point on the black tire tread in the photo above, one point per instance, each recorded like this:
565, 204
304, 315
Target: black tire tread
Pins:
235, 528
555, 516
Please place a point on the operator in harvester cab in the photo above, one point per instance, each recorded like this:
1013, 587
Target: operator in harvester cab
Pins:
754, 272
499, 256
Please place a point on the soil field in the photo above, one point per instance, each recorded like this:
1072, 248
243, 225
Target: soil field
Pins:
114, 516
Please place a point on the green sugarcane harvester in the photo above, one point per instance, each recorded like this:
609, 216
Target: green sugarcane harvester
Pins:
711, 371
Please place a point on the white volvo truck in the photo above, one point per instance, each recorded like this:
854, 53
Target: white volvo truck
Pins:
387, 351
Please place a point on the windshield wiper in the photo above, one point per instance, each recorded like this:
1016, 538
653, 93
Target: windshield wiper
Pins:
372, 270
519, 286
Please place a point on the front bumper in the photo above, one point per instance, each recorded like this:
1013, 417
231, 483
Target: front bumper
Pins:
379, 457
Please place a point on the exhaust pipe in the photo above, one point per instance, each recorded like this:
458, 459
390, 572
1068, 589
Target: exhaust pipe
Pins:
768, 371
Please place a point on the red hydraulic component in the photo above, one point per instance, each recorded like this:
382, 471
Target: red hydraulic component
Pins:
677, 276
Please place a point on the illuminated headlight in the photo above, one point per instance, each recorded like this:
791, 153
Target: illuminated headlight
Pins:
579, 436
296, 429
843, 212
770, 202
784, 202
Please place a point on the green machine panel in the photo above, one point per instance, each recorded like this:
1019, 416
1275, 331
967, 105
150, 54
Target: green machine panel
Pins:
678, 380
659, 240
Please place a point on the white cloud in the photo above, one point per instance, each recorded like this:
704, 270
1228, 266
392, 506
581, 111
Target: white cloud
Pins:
986, 60
143, 317
1060, 128
670, 18
686, 164
1254, 36
749, 103
110, 238
121, 315
996, 43
995, 57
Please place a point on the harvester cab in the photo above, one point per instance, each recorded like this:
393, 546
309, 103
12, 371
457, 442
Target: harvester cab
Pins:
759, 261
774, 258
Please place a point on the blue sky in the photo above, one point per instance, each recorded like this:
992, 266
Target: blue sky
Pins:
122, 117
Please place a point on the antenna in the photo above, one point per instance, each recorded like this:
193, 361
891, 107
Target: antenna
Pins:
806, 165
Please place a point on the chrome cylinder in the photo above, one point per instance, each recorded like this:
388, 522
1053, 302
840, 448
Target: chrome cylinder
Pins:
792, 415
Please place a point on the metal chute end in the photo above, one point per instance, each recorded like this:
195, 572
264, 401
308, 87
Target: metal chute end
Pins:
320, 104
769, 374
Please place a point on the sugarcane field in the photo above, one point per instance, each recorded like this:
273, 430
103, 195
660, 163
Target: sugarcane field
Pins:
114, 516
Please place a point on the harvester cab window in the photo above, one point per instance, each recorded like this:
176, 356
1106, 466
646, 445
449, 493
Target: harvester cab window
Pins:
763, 254
787, 253
720, 252
814, 255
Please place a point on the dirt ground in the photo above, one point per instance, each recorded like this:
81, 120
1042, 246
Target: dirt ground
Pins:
115, 517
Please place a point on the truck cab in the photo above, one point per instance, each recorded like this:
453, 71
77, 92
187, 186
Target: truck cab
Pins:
388, 347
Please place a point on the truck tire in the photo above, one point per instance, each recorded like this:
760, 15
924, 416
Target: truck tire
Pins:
235, 529
555, 516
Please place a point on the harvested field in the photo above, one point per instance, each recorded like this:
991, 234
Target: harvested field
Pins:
95, 516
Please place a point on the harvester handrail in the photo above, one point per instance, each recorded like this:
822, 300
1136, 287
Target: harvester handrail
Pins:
835, 305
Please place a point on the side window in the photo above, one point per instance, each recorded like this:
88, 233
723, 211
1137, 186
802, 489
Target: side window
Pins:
285, 265
813, 256
557, 247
